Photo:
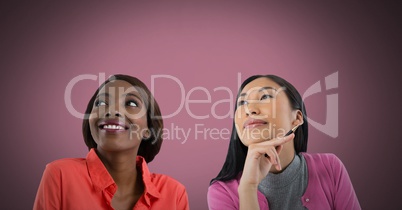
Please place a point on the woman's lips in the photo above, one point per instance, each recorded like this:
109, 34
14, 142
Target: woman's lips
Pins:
252, 123
112, 125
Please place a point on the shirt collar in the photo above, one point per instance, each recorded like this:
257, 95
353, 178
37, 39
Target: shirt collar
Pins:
101, 178
147, 177
98, 173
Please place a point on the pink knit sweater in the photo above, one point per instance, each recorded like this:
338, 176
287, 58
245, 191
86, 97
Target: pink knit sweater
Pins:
329, 187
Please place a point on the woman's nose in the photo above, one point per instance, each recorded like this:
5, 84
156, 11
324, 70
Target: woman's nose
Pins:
113, 113
252, 109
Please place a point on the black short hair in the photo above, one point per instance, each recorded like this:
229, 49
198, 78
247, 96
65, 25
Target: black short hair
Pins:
237, 151
150, 147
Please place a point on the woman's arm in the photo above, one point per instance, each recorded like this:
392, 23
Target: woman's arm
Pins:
182, 202
248, 198
345, 196
222, 196
256, 167
48, 195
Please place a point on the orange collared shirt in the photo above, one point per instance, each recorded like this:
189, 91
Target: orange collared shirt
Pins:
79, 183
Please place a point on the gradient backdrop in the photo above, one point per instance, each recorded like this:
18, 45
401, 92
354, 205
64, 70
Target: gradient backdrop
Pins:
205, 45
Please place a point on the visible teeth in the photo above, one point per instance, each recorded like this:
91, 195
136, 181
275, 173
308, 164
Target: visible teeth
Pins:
114, 127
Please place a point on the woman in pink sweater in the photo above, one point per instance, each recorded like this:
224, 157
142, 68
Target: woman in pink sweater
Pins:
266, 166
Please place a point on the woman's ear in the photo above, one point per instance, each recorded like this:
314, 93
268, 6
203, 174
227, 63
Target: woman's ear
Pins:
298, 118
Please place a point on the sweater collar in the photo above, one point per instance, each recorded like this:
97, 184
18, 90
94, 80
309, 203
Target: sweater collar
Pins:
284, 178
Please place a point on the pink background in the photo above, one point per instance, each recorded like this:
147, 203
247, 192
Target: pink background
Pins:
204, 44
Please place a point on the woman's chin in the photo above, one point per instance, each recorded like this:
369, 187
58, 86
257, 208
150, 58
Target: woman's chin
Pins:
116, 145
255, 140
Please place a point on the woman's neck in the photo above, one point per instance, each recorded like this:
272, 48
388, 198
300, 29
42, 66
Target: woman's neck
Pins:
286, 157
122, 167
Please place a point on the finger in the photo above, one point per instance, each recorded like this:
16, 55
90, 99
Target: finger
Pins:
283, 140
273, 158
279, 149
278, 141
272, 155
278, 162
279, 166
256, 151
287, 138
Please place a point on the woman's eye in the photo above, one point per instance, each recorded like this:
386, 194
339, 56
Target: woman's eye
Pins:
132, 103
265, 96
242, 102
100, 103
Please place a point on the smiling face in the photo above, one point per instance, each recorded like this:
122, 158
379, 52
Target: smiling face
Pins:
264, 112
118, 118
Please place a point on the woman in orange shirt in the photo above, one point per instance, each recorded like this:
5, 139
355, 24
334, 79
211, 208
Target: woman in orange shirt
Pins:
123, 131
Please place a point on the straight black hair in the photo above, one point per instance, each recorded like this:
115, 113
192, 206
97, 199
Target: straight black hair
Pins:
237, 151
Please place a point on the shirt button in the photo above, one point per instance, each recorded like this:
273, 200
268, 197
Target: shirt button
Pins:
307, 200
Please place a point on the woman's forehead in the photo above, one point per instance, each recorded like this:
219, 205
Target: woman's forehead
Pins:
118, 85
260, 83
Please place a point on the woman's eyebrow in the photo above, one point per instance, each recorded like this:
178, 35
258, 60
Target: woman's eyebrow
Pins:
103, 94
133, 94
260, 90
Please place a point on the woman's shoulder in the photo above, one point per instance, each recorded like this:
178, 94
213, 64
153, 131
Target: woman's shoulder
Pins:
320, 162
231, 182
325, 158
67, 163
229, 186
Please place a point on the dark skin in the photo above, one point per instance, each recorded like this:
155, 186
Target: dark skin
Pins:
127, 178
120, 106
